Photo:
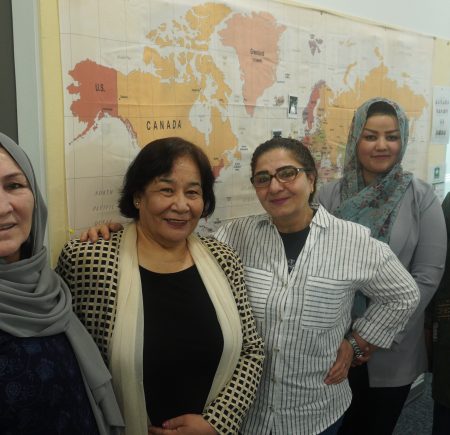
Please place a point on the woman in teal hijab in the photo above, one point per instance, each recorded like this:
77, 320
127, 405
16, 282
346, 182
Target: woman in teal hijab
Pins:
404, 212
371, 192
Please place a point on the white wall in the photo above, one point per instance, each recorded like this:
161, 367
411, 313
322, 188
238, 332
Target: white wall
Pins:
430, 17
28, 84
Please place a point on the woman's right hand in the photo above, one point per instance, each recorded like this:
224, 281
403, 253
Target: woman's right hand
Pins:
339, 370
187, 424
104, 230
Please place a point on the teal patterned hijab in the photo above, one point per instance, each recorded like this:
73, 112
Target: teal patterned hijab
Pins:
376, 205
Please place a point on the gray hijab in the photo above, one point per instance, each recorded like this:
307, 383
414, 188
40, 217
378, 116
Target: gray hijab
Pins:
35, 302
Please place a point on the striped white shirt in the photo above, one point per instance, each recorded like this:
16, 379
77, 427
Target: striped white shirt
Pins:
303, 316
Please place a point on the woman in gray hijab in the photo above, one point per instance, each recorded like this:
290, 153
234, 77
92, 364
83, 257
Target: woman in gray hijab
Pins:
52, 377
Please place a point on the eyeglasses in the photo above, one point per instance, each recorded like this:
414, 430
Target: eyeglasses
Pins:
285, 174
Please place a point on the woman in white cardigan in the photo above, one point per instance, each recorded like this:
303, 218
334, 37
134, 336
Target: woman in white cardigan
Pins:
195, 362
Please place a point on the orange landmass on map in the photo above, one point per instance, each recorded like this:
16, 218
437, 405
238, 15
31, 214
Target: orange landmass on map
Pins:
255, 39
157, 109
158, 104
201, 22
152, 108
97, 90
308, 112
377, 82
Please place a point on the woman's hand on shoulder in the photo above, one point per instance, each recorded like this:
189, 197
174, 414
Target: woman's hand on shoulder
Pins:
187, 424
92, 234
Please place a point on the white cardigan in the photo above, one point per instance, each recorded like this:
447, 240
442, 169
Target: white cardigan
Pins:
126, 351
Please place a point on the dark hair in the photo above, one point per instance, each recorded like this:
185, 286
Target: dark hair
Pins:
157, 158
381, 108
298, 150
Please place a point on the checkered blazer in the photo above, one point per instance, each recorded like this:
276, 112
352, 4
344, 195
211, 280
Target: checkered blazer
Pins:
91, 272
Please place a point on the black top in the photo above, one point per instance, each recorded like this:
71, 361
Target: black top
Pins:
41, 388
293, 245
183, 343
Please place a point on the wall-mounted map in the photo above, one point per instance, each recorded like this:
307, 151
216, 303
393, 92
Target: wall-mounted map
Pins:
220, 74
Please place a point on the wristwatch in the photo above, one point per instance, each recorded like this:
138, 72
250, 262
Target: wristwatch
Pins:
358, 353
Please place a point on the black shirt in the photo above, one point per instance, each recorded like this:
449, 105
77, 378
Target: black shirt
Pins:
183, 343
41, 388
293, 245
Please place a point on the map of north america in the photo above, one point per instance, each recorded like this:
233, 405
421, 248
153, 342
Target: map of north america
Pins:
221, 77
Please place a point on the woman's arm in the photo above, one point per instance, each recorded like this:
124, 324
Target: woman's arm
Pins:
428, 261
393, 295
90, 271
64, 268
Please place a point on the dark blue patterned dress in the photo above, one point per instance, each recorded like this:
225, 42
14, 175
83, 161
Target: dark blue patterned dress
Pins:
41, 388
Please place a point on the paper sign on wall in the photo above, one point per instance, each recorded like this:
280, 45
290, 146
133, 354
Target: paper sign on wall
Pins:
441, 115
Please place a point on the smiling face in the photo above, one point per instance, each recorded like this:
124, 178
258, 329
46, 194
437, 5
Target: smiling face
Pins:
379, 146
171, 205
286, 203
16, 208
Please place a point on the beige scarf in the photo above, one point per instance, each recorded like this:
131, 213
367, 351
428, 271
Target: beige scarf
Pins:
126, 350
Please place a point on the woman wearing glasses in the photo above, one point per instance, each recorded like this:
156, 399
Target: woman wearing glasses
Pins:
302, 267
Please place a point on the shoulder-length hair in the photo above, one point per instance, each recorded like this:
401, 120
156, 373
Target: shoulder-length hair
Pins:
156, 159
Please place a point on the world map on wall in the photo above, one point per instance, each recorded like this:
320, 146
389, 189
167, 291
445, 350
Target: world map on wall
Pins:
221, 75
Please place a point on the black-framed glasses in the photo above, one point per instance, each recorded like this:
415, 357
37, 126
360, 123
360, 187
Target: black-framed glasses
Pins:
285, 174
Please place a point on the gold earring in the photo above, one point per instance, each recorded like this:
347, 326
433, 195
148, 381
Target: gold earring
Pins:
137, 203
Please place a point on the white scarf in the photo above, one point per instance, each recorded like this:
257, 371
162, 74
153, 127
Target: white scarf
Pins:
126, 350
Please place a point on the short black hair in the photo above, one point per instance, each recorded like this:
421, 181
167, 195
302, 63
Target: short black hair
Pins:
298, 150
156, 159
